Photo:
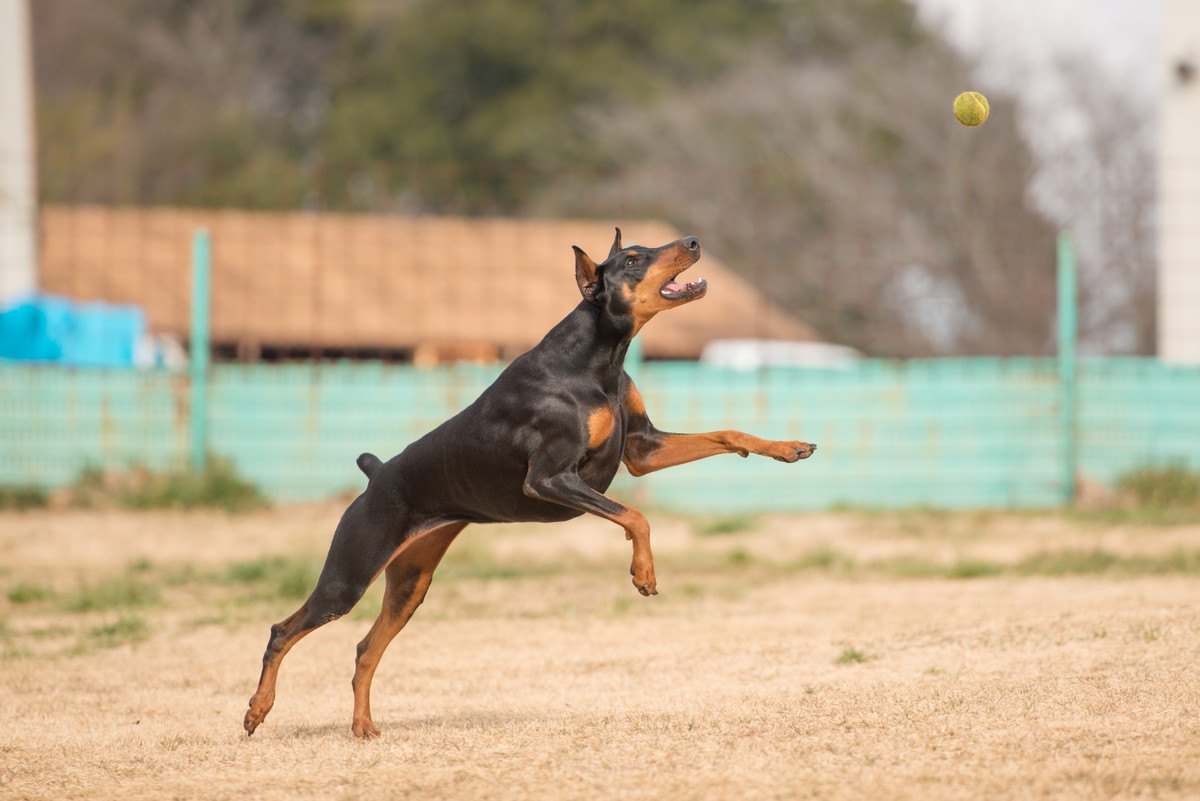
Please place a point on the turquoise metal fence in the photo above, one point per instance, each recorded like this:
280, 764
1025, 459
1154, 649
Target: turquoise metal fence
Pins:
1136, 412
953, 433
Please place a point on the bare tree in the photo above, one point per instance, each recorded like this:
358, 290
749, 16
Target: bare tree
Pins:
160, 100
1097, 178
849, 194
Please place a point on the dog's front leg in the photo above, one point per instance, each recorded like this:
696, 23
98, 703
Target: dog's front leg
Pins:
566, 488
649, 450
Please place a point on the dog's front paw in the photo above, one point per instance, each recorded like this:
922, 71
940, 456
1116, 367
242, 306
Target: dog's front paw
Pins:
790, 451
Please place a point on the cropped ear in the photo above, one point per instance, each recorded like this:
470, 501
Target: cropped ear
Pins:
586, 275
616, 246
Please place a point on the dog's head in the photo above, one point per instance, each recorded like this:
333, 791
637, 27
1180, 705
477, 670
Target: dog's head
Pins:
639, 282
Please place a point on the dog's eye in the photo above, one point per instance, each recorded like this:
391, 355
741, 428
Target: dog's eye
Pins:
632, 260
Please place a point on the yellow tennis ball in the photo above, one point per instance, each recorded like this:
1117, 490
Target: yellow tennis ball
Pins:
971, 109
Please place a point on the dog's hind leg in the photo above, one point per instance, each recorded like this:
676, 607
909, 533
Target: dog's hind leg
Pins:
408, 577
362, 546
284, 635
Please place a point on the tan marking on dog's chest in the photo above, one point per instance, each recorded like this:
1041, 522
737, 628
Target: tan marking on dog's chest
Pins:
634, 402
600, 426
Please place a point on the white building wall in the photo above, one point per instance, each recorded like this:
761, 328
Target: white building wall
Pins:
1179, 186
18, 195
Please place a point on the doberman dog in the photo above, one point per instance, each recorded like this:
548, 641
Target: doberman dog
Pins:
541, 444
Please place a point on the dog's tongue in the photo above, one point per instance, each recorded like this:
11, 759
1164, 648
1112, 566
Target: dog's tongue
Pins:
672, 287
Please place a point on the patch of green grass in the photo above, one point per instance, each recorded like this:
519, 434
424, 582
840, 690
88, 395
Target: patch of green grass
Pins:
250, 572
368, 606
914, 566
476, 561
218, 618
9, 648
1095, 562
26, 593
910, 567
973, 568
1138, 516
186, 573
22, 497
1047, 563
126, 629
218, 486
1177, 562
49, 632
738, 556
851, 656
726, 524
225, 612
1129, 514
285, 576
1169, 486
824, 558
1050, 564
140, 565
1068, 563
297, 580
113, 593
487, 569
1151, 495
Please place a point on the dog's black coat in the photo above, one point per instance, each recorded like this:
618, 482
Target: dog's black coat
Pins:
528, 449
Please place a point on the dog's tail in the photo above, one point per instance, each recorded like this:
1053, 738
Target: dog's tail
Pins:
368, 463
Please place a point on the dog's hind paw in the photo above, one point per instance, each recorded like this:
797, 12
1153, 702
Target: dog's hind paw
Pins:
256, 714
365, 730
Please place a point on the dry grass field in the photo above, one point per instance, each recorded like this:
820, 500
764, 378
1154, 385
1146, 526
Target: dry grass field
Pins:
844, 656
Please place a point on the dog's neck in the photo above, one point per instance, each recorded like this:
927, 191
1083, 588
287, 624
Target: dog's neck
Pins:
593, 340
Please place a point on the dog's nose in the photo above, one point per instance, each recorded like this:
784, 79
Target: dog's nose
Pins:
691, 243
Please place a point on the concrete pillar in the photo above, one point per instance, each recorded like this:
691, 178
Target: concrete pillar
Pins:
18, 174
1179, 186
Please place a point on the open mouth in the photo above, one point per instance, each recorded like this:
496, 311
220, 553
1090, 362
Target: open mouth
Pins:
673, 290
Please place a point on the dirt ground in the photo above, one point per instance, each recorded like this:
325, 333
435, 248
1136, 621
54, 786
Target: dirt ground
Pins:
842, 656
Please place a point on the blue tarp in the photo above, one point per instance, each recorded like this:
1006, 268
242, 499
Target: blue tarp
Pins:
48, 328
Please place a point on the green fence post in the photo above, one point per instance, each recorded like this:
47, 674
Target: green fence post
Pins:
201, 303
1067, 328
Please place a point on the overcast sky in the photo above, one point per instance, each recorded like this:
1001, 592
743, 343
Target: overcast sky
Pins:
1015, 40
1016, 44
